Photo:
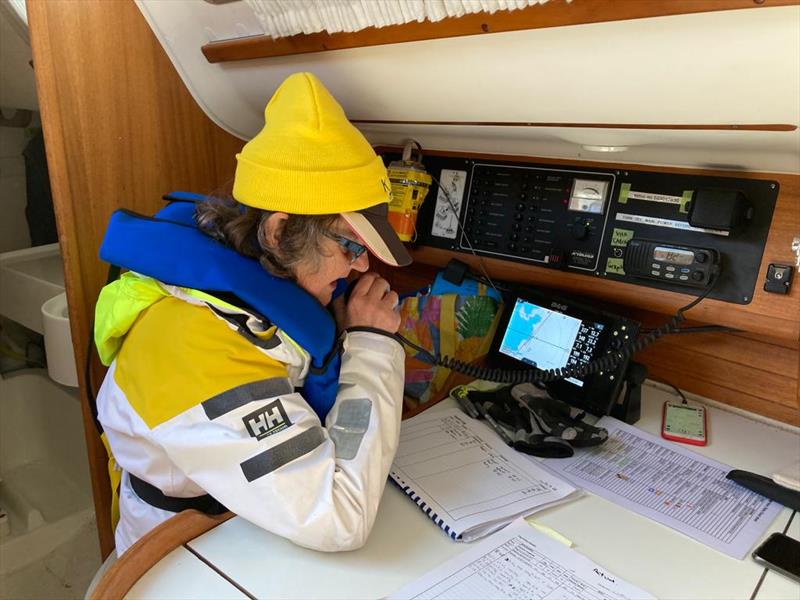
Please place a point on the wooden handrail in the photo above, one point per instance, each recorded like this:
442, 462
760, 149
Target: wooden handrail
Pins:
555, 13
123, 574
666, 126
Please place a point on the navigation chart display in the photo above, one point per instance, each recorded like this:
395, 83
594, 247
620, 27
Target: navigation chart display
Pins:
548, 339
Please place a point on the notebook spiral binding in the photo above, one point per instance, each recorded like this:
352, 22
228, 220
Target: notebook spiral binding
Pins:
426, 509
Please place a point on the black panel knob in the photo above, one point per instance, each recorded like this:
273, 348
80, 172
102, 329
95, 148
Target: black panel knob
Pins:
580, 231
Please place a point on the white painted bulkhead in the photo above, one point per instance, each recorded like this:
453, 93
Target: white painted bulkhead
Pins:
726, 67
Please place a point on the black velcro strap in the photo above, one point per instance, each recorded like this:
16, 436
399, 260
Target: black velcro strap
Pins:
156, 498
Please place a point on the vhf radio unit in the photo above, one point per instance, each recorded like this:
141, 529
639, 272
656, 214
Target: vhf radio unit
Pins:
681, 265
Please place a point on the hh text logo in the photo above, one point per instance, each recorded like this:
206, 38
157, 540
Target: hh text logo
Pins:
267, 420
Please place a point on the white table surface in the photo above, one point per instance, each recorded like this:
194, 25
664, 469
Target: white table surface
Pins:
180, 575
661, 560
405, 544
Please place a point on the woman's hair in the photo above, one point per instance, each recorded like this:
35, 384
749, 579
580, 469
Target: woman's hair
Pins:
241, 228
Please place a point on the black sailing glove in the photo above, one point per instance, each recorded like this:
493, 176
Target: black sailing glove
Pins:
535, 423
558, 418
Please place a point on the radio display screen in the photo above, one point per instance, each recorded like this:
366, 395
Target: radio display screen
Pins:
548, 339
676, 256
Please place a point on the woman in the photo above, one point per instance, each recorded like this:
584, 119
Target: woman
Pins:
225, 388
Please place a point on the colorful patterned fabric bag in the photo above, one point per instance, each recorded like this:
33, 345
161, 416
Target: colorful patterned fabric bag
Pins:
447, 320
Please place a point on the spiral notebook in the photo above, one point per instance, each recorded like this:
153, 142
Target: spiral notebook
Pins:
466, 479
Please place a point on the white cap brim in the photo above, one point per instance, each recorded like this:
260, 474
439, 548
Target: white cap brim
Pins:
372, 226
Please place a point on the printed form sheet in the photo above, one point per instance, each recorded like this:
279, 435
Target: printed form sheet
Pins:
520, 563
471, 482
671, 485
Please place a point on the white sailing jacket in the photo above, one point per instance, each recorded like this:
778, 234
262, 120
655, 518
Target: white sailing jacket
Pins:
200, 399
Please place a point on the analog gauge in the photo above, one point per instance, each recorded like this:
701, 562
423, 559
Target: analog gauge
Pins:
588, 196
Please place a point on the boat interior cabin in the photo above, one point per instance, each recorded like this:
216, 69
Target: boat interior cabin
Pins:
634, 164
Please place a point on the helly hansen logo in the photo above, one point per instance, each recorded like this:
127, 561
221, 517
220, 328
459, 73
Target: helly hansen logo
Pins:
267, 420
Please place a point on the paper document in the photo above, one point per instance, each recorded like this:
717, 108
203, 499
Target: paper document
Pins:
520, 563
671, 485
465, 478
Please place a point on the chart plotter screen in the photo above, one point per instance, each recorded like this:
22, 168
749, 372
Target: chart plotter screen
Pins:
548, 339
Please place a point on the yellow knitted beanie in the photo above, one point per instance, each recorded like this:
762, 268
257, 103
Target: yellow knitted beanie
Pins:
308, 159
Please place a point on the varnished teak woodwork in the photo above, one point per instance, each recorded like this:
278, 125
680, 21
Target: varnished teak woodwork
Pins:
648, 126
554, 13
120, 129
176, 532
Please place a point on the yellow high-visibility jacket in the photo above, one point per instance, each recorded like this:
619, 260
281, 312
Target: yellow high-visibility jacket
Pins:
200, 398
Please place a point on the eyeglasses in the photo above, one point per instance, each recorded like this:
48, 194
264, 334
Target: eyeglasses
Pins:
353, 249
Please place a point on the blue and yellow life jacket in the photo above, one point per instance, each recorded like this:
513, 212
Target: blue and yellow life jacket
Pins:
171, 249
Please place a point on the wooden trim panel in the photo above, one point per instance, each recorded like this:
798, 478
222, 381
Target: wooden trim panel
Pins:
120, 129
148, 550
555, 13
657, 126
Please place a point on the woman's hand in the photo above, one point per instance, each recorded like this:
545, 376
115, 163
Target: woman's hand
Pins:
372, 303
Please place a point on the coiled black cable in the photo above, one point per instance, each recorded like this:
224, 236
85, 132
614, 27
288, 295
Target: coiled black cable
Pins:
536, 375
